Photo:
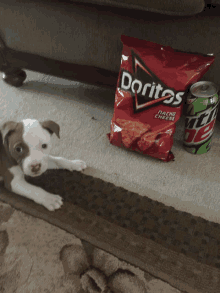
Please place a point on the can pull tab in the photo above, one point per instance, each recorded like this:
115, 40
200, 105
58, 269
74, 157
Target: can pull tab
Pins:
204, 87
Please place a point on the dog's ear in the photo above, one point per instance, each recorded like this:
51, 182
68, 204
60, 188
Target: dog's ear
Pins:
51, 126
7, 128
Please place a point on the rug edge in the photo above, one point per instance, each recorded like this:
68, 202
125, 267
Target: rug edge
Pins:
136, 250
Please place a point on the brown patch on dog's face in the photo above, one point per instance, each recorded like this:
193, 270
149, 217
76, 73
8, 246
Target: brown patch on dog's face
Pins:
14, 145
51, 126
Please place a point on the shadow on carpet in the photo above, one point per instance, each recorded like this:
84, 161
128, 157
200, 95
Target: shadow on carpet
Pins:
175, 246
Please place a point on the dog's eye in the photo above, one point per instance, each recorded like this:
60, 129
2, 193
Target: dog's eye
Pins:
18, 149
44, 146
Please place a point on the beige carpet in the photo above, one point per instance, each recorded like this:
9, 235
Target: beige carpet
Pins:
84, 113
189, 184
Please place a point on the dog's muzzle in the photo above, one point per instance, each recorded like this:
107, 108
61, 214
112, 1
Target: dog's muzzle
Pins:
35, 166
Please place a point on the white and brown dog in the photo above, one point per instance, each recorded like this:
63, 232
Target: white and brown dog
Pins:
25, 148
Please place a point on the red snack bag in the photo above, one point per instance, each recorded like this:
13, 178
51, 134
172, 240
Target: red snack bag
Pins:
149, 97
131, 130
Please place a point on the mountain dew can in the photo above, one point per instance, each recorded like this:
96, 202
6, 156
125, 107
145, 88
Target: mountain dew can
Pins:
201, 111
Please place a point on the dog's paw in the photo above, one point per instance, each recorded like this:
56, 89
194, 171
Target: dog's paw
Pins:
51, 201
77, 165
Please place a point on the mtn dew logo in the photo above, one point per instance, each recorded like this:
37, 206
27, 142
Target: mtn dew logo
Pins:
195, 105
145, 87
199, 124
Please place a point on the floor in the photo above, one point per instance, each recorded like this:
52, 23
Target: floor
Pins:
49, 259
190, 183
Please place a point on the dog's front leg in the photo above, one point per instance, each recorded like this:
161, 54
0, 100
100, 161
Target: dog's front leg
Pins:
62, 163
37, 194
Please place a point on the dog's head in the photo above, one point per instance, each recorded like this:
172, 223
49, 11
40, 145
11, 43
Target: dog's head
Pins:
28, 143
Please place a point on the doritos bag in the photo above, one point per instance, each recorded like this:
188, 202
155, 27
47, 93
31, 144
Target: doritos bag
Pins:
149, 97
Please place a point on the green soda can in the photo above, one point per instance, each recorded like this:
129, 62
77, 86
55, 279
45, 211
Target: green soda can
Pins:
201, 111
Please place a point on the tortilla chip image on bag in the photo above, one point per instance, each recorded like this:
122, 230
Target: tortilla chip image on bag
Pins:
151, 88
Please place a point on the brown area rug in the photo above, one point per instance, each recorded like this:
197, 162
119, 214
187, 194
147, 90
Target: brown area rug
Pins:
175, 246
37, 257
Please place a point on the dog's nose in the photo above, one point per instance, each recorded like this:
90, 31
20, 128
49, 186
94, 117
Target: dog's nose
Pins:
36, 167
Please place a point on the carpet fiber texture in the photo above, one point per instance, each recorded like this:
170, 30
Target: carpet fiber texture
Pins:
176, 230
53, 260
178, 247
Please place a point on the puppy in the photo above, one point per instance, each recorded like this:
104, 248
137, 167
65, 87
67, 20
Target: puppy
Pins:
25, 150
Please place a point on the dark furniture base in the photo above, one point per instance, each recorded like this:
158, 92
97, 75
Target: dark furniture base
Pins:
13, 63
15, 78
